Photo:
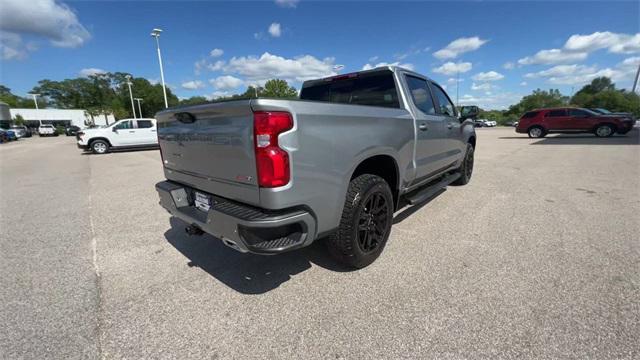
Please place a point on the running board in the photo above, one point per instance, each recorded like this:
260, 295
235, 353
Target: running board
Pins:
430, 190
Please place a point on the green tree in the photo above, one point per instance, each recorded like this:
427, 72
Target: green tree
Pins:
15, 101
277, 88
18, 120
194, 100
538, 99
602, 93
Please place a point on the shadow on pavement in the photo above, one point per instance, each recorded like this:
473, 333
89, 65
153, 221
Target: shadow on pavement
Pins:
247, 273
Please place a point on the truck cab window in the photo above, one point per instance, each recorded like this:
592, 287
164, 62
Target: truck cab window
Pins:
421, 94
446, 106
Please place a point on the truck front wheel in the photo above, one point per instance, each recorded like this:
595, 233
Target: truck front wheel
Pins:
365, 224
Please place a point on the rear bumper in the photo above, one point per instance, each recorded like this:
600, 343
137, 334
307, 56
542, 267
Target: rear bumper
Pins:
242, 227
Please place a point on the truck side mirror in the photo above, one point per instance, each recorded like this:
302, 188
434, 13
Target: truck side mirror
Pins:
114, 129
469, 112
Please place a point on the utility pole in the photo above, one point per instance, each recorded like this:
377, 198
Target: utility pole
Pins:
635, 82
139, 108
35, 101
133, 108
457, 87
156, 34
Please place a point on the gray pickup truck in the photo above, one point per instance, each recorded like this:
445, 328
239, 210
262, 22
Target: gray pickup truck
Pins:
267, 176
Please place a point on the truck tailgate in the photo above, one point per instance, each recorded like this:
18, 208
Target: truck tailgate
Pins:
210, 147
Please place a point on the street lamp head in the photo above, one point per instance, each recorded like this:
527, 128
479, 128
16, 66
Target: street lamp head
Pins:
156, 32
128, 77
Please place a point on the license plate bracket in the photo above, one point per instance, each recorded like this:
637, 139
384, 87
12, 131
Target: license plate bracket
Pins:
202, 201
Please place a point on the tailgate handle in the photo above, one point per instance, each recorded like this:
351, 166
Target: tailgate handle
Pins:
185, 117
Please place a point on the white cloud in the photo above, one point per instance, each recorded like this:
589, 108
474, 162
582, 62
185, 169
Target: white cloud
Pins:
454, 80
226, 82
12, 47
91, 71
44, 18
498, 101
380, 64
217, 95
287, 3
269, 66
582, 74
216, 52
458, 47
216, 66
482, 86
508, 65
524, 83
199, 65
613, 42
451, 68
193, 85
553, 56
374, 58
275, 30
488, 76
578, 48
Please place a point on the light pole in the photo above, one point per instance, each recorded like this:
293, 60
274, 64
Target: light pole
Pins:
139, 108
635, 82
133, 108
156, 34
35, 101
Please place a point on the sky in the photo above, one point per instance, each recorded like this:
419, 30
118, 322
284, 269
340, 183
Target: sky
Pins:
499, 51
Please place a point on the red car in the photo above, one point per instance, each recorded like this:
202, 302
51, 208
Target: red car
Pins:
538, 123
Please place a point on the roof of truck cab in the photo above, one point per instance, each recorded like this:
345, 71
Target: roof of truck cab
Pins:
392, 68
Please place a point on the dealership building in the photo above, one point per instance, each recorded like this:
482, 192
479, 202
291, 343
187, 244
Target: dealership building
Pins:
63, 117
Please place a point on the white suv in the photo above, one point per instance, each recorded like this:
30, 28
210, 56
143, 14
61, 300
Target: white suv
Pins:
126, 133
47, 130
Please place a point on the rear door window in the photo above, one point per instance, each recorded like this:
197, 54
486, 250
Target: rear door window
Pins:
445, 106
421, 94
145, 124
556, 113
373, 89
530, 114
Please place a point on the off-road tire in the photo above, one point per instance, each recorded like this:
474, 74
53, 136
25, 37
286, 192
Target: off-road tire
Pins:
345, 245
466, 168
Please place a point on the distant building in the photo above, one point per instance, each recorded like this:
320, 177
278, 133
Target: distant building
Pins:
64, 117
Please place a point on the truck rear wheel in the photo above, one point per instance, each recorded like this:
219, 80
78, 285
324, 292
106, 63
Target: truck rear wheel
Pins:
365, 224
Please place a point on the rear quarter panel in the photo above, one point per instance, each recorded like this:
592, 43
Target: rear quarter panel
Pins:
326, 144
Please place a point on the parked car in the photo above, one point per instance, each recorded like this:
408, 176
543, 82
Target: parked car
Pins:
272, 175
21, 130
6, 136
71, 130
47, 130
123, 134
491, 123
480, 123
10, 135
511, 123
540, 122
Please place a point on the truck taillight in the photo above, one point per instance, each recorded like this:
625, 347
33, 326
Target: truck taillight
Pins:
272, 162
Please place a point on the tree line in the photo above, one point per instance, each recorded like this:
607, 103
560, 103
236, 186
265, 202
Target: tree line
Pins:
108, 93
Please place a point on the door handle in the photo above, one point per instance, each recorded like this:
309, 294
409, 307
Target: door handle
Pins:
132, 131
423, 127
449, 126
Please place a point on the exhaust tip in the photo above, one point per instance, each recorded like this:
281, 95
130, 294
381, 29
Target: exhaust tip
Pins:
192, 230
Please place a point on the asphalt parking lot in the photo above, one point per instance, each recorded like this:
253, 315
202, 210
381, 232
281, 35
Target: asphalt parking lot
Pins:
538, 257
